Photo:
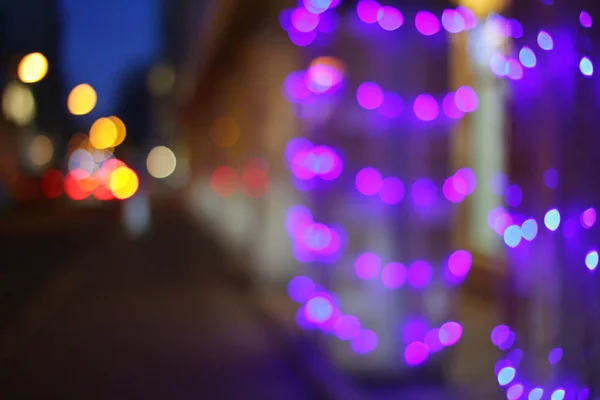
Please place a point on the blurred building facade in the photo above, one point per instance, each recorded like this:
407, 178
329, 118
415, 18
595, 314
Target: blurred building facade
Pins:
41, 33
519, 138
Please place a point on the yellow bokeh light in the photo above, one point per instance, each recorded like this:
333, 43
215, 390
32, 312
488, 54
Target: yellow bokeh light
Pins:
41, 150
123, 183
32, 68
225, 132
82, 99
18, 104
161, 162
103, 134
121, 130
484, 7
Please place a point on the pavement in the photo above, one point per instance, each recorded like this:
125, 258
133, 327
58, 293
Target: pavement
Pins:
87, 312
99, 316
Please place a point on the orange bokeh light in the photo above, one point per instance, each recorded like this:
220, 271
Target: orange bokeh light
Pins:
32, 68
82, 99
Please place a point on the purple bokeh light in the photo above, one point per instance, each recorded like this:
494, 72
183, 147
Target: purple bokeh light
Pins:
469, 17
391, 191
301, 320
389, 18
432, 340
588, 218
298, 218
464, 181
453, 21
285, 18
499, 334
515, 69
294, 87
367, 266
347, 327
516, 29
459, 263
427, 23
585, 19
450, 333
394, 275
301, 288
368, 11
466, 99
450, 108
555, 355
303, 20
515, 392
513, 195
426, 108
329, 22
419, 274
369, 95
416, 353
301, 39
365, 341
369, 181
450, 191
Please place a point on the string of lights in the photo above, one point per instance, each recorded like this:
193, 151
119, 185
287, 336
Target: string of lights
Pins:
314, 19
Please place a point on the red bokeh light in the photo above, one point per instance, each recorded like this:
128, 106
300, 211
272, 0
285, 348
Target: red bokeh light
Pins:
255, 178
103, 193
225, 181
73, 187
52, 184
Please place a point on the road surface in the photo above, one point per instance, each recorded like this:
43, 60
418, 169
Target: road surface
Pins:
95, 315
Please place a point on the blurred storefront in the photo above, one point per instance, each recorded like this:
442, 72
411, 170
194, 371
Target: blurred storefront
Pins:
410, 160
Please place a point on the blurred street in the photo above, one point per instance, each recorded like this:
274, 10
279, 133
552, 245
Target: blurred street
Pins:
152, 319
318, 199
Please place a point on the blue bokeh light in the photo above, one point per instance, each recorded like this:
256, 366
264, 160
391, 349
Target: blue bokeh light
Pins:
558, 394
527, 57
545, 41
552, 219
555, 355
529, 229
536, 394
591, 260
513, 195
506, 375
586, 67
512, 236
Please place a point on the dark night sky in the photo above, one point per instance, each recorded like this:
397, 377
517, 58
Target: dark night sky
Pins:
103, 39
